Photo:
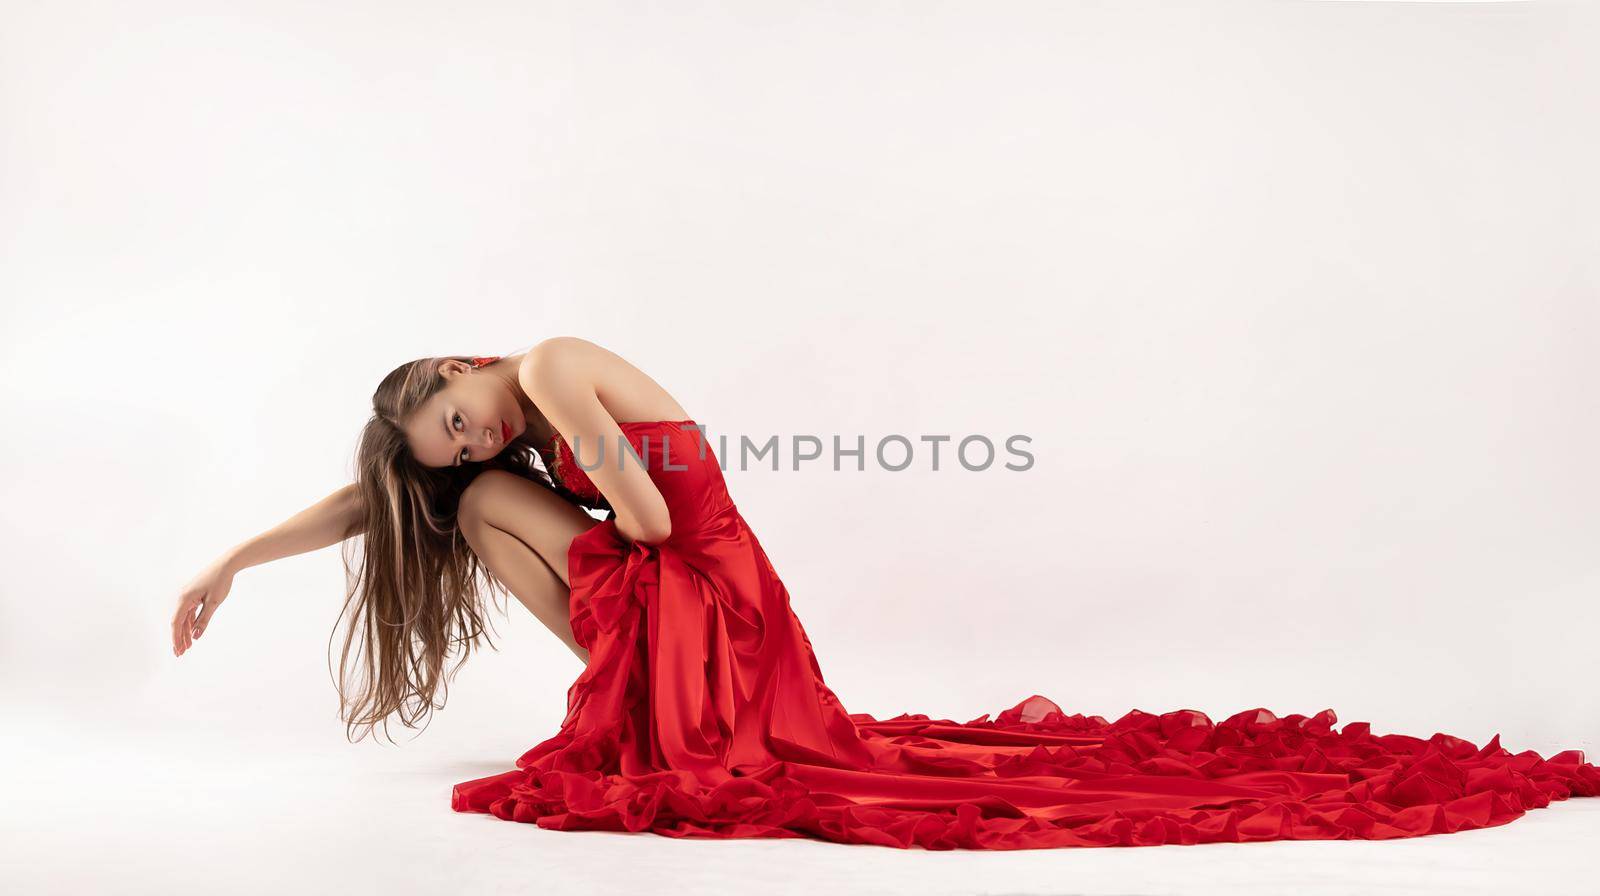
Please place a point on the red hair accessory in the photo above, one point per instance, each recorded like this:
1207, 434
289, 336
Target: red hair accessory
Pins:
487, 359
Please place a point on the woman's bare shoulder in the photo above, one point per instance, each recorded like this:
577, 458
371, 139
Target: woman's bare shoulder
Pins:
565, 358
572, 362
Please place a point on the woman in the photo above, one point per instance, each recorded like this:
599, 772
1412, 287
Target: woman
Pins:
701, 710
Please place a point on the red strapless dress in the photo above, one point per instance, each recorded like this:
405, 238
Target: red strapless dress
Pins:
703, 713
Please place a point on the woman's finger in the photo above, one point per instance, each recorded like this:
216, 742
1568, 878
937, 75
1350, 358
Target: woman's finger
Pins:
188, 623
177, 628
185, 623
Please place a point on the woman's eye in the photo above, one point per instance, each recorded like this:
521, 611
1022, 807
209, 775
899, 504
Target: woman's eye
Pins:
463, 457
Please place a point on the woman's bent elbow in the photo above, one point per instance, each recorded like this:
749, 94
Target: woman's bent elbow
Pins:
655, 534
647, 531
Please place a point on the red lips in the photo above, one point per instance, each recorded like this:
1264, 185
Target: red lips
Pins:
505, 431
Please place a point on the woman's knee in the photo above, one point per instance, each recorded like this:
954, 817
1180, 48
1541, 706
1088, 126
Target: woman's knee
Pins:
517, 504
485, 490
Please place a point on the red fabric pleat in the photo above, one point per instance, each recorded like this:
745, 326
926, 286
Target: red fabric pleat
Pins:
703, 713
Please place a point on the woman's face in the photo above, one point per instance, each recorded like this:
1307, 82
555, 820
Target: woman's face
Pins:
471, 419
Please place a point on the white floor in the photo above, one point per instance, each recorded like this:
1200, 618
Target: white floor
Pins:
123, 808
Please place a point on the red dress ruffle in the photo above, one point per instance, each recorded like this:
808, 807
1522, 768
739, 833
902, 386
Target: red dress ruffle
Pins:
565, 470
703, 713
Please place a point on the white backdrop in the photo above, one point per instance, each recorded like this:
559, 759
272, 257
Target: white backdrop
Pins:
1297, 302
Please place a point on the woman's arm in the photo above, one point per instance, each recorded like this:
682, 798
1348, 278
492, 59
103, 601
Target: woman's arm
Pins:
561, 375
330, 520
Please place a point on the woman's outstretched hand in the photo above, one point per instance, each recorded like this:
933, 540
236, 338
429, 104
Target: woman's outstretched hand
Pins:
198, 601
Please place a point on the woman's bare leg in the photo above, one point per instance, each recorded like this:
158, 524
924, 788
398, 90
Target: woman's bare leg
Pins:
521, 532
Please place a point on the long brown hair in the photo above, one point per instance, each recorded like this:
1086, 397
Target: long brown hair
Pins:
416, 591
